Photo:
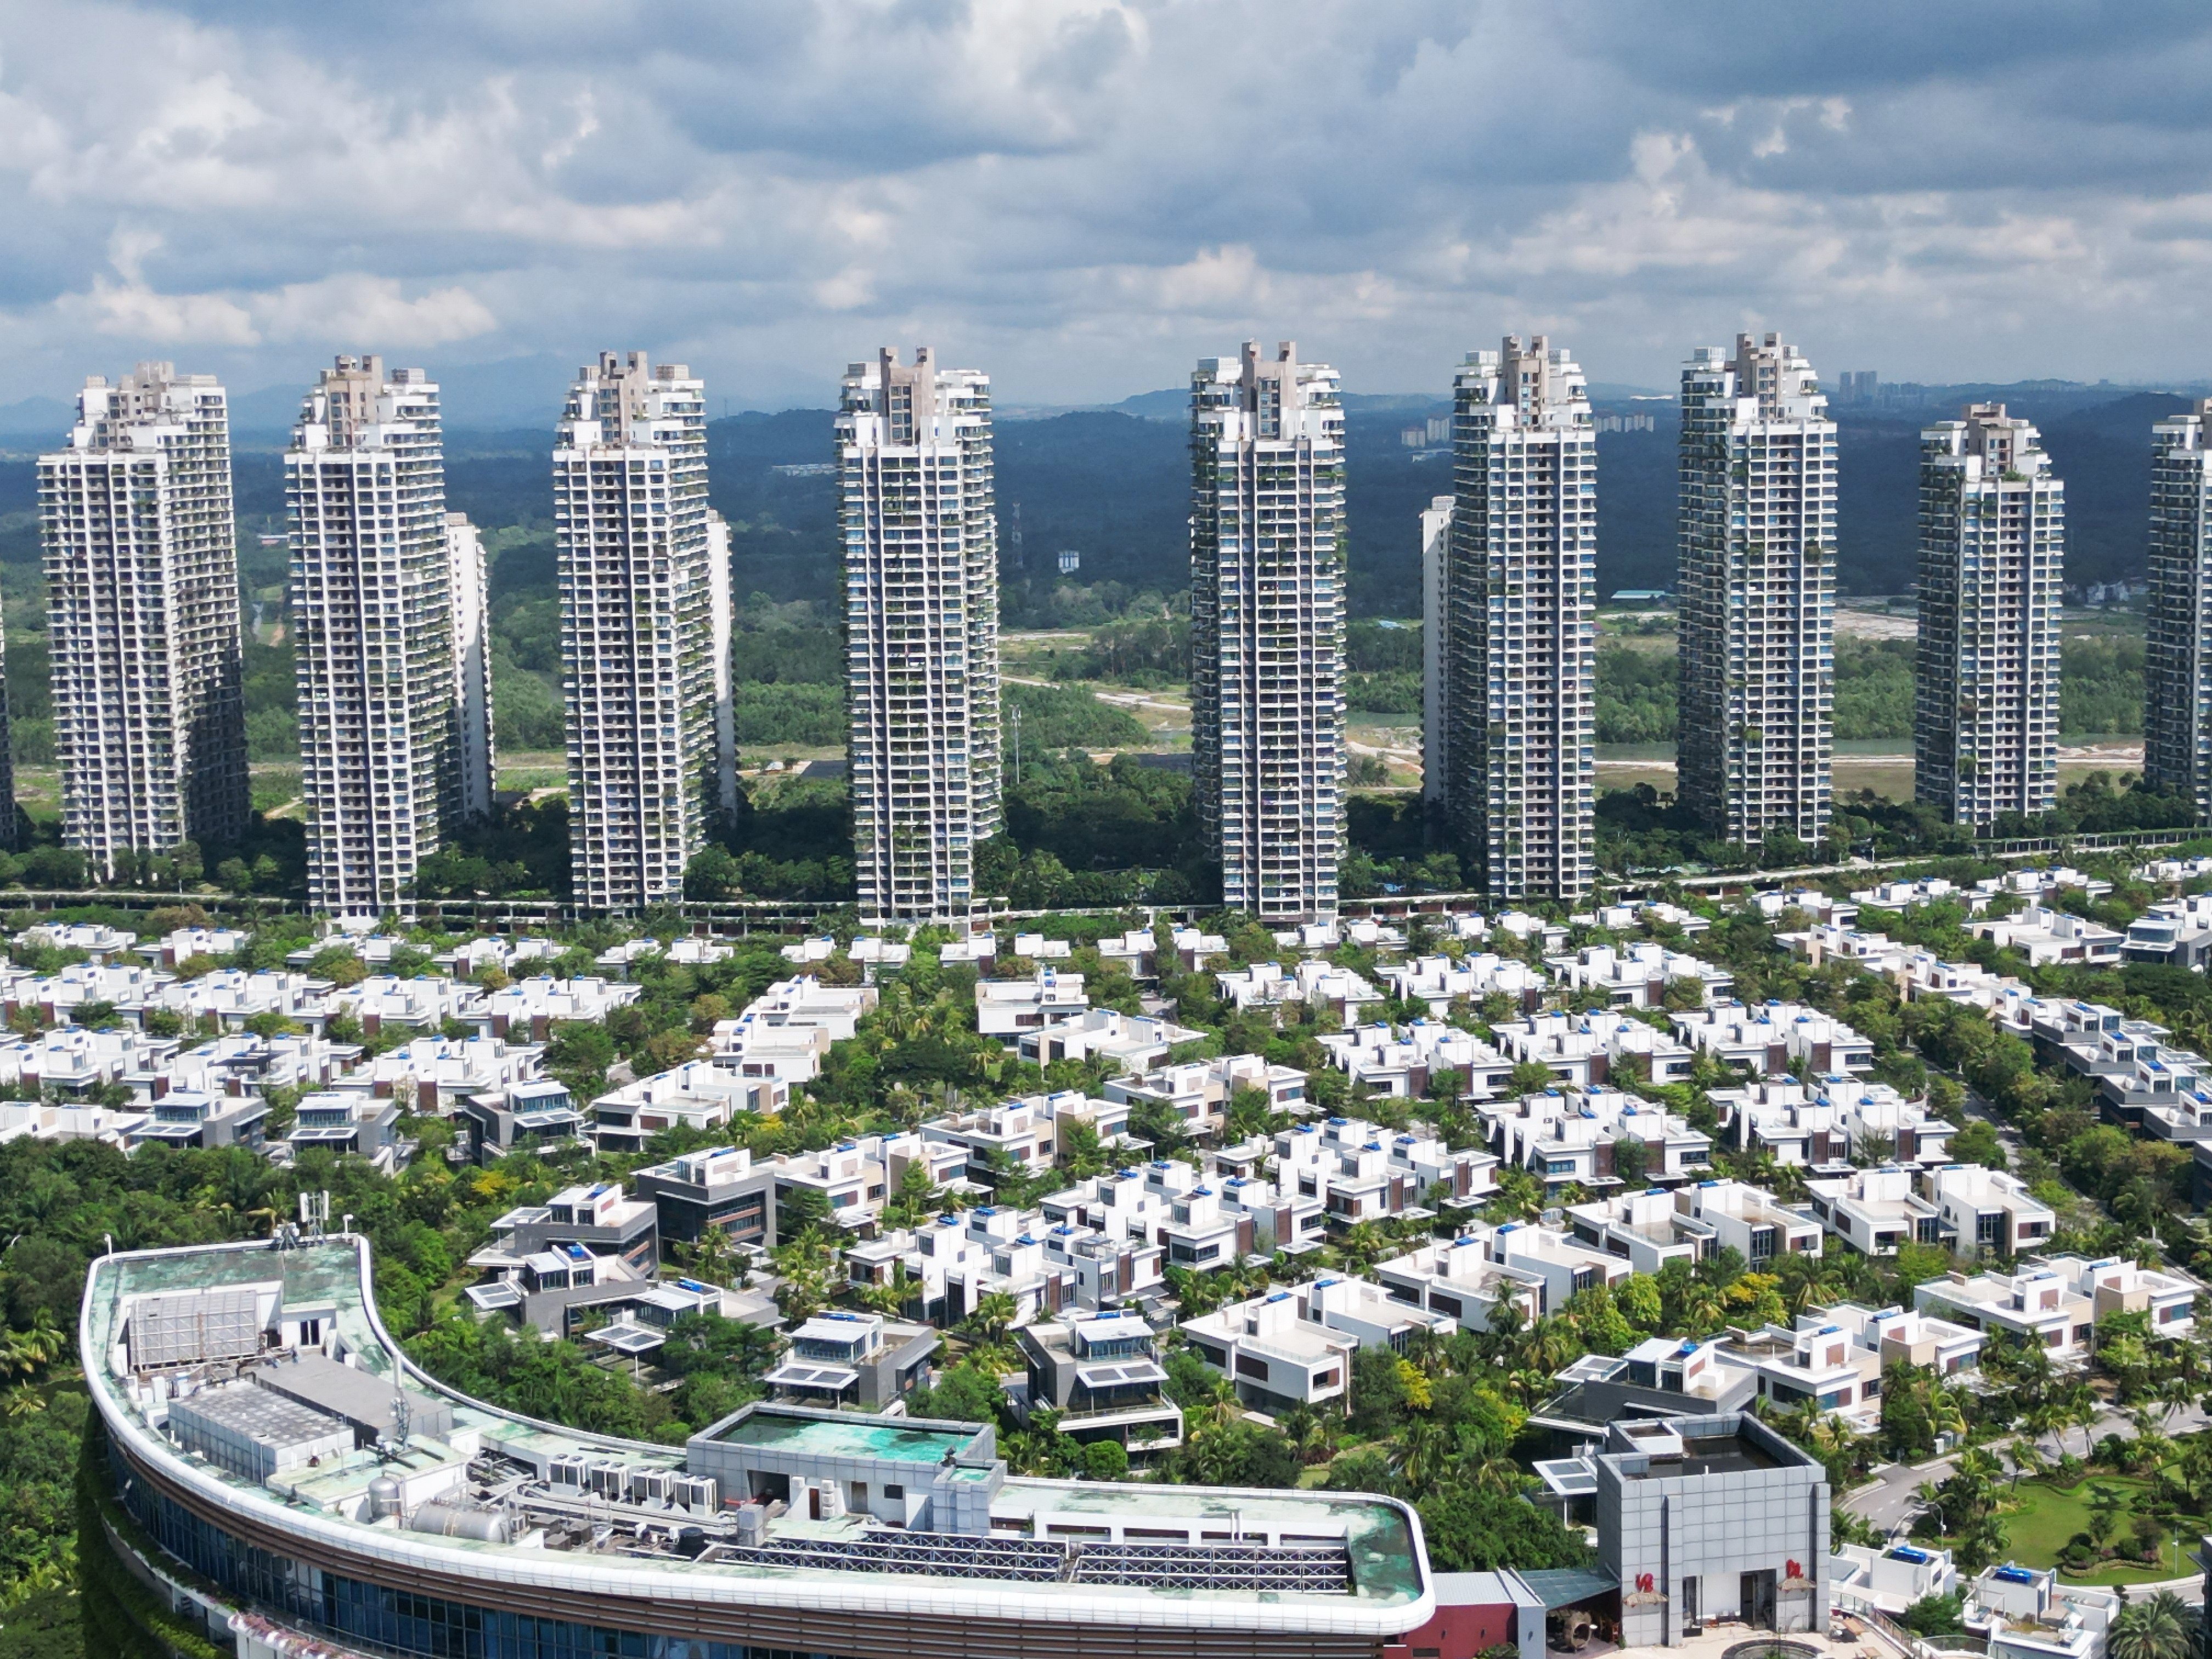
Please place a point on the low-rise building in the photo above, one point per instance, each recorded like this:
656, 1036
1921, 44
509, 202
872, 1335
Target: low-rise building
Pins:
1907, 1335
1927, 974
186, 1119
1875, 1211
1581, 1049
855, 1176
2178, 932
852, 1361
1475, 978
1898, 897
1024, 1136
248, 1065
1638, 976
1322, 986
1987, 1212
349, 1122
2025, 1613
1837, 1119
216, 945
97, 940
1571, 1137
536, 1116
1873, 953
2037, 1304
1711, 1517
1100, 1373
2040, 886
1199, 1091
1461, 1279
1561, 1265
719, 1188
433, 1075
2051, 937
229, 997
527, 1011
1363, 1173
425, 1005
1403, 1061
1134, 1043
697, 1096
39, 1120
2114, 1285
1825, 909
1006, 1007
1774, 1036
1294, 1346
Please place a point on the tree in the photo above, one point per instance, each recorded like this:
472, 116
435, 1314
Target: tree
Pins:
1977, 1143
799, 1210
1936, 1615
965, 1393
1106, 1460
2106, 1505
1472, 1530
2158, 1628
995, 1313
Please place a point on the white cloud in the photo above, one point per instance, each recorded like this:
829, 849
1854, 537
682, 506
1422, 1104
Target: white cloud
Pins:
1083, 195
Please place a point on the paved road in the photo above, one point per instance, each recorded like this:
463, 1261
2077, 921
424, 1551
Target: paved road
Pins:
1890, 1503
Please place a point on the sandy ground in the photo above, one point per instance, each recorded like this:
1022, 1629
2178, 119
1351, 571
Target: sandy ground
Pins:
1875, 624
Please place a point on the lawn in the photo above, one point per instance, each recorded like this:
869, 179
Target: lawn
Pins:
2047, 1516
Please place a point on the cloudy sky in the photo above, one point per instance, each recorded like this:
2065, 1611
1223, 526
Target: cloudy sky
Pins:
1082, 196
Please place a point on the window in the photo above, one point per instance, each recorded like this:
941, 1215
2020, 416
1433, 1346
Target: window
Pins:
1248, 1366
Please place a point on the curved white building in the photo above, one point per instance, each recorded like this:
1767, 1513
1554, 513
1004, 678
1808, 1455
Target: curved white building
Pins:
301, 1488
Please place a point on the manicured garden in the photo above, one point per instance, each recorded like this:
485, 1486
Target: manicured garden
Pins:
2041, 1516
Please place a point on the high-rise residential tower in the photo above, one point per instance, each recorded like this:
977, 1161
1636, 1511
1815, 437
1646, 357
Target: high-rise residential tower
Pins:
1267, 626
1758, 593
636, 548
921, 632
1992, 557
472, 665
2178, 645
1436, 635
1519, 677
142, 609
381, 579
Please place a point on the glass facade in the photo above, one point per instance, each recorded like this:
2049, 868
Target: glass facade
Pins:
397, 1621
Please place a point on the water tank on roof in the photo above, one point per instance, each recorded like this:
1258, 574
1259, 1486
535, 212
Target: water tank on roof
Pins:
384, 1497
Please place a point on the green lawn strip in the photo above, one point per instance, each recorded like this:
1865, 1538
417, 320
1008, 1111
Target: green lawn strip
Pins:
2046, 1516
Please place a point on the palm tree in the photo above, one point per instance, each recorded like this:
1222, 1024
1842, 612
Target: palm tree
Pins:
2157, 1628
995, 1313
2027, 1459
1705, 1310
2177, 1394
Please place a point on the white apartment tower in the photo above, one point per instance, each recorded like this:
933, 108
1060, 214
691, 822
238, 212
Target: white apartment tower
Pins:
472, 665
1518, 681
921, 621
2177, 648
1267, 626
142, 609
636, 546
385, 588
1436, 633
1992, 555
1758, 593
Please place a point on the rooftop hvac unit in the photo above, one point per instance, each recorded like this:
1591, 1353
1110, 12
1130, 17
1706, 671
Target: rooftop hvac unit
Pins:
186, 1327
698, 1493
652, 1485
609, 1481
566, 1470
